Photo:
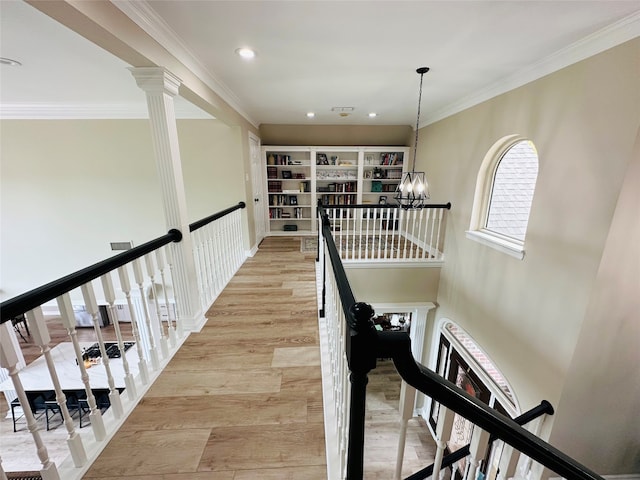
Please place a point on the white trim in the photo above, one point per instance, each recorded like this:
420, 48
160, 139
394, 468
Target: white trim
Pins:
617, 33
628, 476
353, 264
91, 111
502, 244
252, 252
141, 12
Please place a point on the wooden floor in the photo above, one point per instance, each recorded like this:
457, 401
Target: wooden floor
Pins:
242, 399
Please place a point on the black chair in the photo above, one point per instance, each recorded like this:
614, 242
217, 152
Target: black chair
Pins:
102, 402
36, 403
18, 324
52, 408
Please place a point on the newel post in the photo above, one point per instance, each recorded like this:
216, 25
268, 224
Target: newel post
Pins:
361, 357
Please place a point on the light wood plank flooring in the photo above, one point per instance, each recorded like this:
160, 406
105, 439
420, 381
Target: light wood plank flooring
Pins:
241, 399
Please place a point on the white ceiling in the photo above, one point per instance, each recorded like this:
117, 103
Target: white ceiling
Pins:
315, 55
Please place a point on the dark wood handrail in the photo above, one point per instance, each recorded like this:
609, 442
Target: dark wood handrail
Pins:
34, 298
211, 218
380, 207
397, 345
544, 408
29, 300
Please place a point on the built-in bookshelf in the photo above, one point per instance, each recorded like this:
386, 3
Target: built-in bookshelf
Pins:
288, 174
297, 177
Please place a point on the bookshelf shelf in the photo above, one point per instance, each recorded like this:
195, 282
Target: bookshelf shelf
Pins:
330, 174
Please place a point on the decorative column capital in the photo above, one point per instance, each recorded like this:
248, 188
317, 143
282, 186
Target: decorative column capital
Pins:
156, 80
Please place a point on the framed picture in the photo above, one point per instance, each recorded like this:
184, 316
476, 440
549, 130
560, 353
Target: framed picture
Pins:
368, 174
321, 159
293, 200
369, 159
286, 174
334, 159
382, 200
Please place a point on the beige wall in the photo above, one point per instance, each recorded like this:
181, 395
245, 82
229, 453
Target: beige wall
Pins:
528, 315
352, 135
394, 285
603, 380
69, 187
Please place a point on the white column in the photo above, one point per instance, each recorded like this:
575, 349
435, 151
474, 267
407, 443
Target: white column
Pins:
161, 87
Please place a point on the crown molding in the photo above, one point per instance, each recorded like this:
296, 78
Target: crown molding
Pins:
140, 12
615, 34
49, 111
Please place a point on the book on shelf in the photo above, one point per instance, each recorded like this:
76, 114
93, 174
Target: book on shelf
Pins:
280, 159
274, 186
272, 172
392, 158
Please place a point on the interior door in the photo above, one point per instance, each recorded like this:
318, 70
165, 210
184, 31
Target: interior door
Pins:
257, 187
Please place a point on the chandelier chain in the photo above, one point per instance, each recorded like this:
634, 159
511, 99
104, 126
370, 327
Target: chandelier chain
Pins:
415, 146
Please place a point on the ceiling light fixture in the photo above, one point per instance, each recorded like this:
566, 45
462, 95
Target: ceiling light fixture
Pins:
413, 189
246, 53
373, 115
10, 62
311, 114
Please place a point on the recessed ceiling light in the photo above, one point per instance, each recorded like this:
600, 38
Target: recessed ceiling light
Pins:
246, 53
311, 114
373, 114
10, 62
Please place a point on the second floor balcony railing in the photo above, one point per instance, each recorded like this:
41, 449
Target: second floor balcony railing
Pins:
103, 381
387, 234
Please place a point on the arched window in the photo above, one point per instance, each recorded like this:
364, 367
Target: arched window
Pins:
504, 193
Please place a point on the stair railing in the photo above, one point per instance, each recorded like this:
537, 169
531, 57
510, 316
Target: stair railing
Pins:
354, 347
111, 291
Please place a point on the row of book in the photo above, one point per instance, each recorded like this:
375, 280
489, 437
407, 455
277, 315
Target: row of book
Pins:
275, 213
282, 199
275, 186
394, 158
338, 199
345, 187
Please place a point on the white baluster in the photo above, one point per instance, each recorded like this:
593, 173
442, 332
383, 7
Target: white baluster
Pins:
3, 476
419, 238
381, 214
414, 249
139, 279
110, 297
426, 253
40, 335
477, 451
367, 233
407, 405
439, 254
179, 325
69, 322
433, 248
151, 272
126, 288
443, 431
508, 462
9, 360
92, 307
406, 215
199, 263
170, 325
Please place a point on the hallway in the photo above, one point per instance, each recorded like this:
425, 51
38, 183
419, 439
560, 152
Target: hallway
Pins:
242, 399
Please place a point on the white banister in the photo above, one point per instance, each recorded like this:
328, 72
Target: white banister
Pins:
477, 451
41, 337
110, 297
443, 431
92, 307
125, 285
69, 322
151, 272
9, 360
146, 326
163, 278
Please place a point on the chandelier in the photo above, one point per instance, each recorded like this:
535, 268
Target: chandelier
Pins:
413, 189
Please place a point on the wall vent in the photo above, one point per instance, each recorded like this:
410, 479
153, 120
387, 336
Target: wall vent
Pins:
121, 245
